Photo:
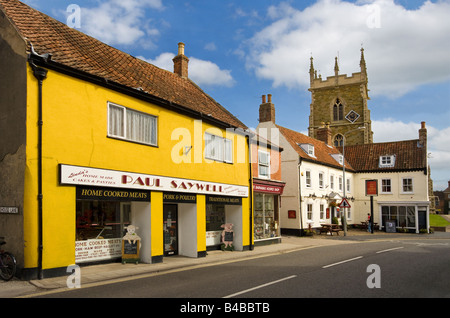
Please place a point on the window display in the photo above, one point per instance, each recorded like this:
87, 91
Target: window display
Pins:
266, 216
215, 217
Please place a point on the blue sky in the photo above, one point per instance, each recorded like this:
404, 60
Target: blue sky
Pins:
240, 50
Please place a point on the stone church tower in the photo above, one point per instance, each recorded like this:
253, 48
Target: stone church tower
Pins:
340, 102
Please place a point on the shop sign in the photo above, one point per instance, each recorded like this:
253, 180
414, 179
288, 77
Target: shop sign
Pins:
175, 197
97, 250
371, 187
223, 200
112, 194
267, 188
76, 175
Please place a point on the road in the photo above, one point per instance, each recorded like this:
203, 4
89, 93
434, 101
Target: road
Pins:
387, 269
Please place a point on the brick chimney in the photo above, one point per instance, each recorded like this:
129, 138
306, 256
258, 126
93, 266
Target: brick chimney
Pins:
324, 133
180, 62
423, 135
267, 110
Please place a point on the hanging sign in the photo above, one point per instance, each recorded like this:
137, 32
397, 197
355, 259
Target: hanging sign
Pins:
371, 187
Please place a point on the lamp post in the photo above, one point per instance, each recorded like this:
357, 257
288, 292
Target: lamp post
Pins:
343, 175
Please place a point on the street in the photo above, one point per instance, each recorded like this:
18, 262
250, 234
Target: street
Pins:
386, 269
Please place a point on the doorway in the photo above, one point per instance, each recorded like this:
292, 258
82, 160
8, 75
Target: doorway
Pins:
170, 229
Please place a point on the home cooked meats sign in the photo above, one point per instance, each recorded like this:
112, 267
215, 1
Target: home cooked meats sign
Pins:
76, 175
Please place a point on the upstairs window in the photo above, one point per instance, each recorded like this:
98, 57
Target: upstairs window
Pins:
131, 125
218, 148
387, 161
407, 185
308, 148
264, 164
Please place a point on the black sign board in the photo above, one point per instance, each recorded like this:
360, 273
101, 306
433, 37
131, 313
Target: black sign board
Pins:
130, 247
9, 210
112, 194
176, 197
210, 199
390, 226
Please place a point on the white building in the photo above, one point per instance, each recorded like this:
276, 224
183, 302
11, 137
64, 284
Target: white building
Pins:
316, 181
313, 172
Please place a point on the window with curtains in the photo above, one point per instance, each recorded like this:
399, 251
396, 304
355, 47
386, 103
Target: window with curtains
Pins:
128, 124
218, 148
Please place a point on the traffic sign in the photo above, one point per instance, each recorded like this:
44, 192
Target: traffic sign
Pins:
344, 203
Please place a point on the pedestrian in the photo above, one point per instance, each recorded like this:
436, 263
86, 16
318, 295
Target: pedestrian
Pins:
368, 222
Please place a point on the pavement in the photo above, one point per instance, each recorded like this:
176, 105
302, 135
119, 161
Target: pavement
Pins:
102, 273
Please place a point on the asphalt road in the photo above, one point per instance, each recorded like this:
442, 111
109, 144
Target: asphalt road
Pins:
388, 269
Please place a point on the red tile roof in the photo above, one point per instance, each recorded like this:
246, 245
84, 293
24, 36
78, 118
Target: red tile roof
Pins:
83, 53
323, 152
409, 156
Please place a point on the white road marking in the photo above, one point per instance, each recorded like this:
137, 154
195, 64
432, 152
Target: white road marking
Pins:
390, 249
347, 260
260, 286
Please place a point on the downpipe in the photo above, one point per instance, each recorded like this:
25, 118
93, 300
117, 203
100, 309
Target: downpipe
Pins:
40, 74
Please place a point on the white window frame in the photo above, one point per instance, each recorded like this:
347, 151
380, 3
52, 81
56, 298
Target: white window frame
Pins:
123, 135
309, 149
321, 183
332, 182
322, 211
218, 148
385, 186
347, 184
264, 165
308, 179
387, 161
403, 185
340, 186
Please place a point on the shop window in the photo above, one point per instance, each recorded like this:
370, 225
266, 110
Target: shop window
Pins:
218, 148
101, 219
266, 216
404, 216
131, 125
215, 217
263, 164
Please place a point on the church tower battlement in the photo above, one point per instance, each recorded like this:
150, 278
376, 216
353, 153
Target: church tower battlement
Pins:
340, 102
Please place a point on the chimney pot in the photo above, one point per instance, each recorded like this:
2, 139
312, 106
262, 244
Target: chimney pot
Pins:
180, 62
267, 110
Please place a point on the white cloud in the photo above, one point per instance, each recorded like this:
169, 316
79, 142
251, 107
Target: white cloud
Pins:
403, 48
200, 71
438, 142
120, 22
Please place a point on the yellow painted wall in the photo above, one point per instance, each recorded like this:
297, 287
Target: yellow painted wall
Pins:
75, 133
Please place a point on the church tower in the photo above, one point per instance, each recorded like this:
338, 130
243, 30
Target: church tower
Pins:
340, 102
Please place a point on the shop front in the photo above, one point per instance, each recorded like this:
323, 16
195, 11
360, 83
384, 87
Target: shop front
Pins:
266, 211
172, 216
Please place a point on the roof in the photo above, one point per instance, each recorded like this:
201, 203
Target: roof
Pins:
78, 51
409, 156
323, 153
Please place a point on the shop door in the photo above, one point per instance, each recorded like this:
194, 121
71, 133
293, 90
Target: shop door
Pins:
170, 223
422, 220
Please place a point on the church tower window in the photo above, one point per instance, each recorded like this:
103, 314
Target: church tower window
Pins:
338, 140
338, 110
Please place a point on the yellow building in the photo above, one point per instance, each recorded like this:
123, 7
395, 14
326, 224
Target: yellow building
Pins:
94, 140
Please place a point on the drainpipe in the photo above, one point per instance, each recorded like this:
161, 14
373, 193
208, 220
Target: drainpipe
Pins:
41, 75
250, 192
300, 195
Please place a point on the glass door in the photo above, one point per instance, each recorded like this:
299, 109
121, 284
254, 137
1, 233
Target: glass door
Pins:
170, 228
